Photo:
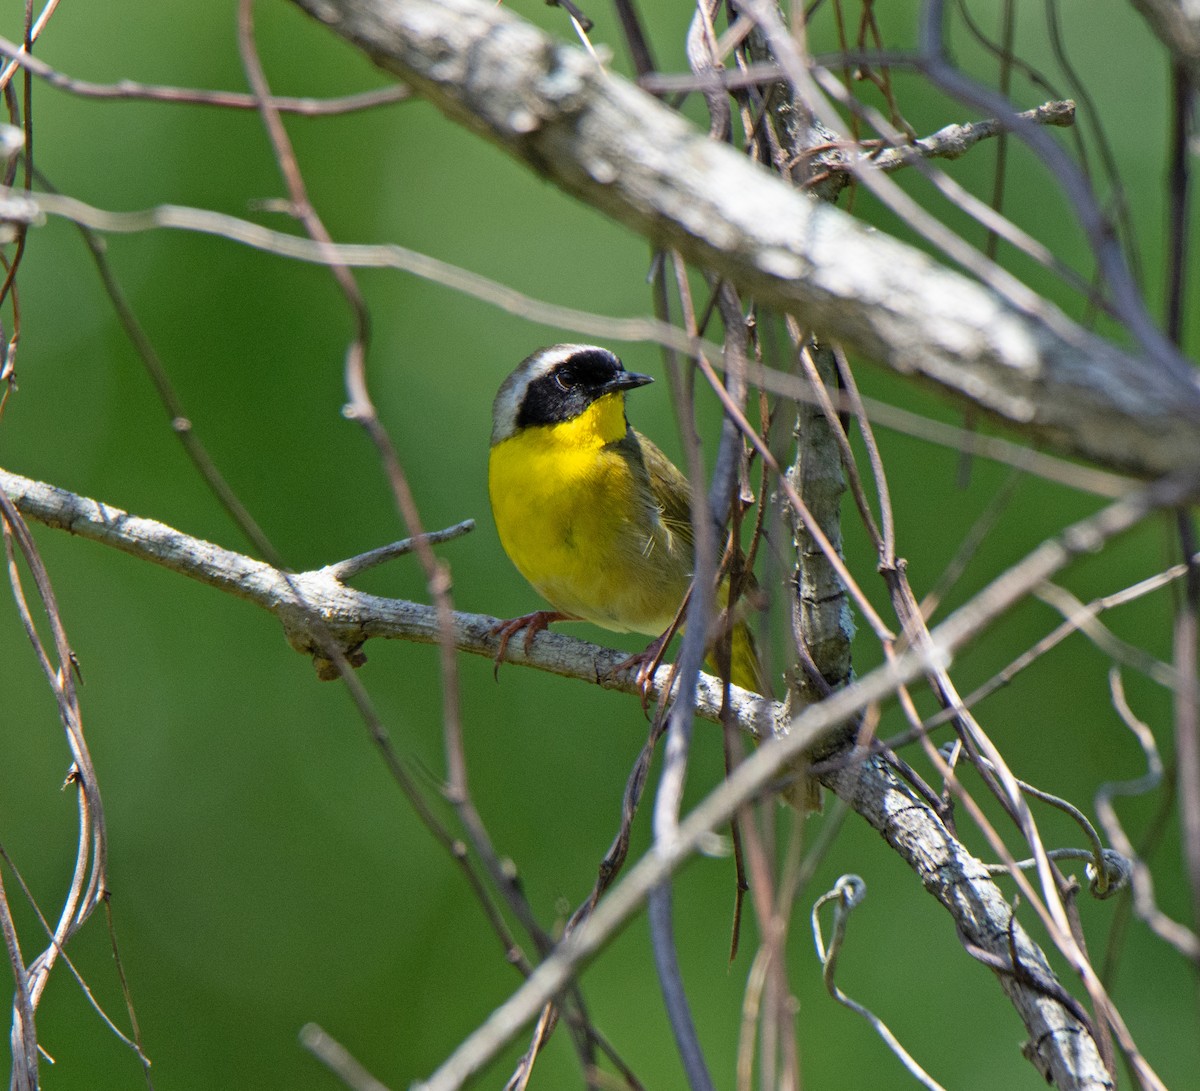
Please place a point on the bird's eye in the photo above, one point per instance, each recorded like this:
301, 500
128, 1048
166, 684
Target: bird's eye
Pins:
565, 378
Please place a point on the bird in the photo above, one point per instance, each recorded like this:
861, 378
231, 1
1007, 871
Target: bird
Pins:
593, 515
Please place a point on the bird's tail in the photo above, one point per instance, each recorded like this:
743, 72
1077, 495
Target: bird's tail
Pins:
739, 648
745, 666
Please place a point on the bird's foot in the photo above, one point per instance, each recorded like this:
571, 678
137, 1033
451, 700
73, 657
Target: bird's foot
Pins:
646, 663
532, 624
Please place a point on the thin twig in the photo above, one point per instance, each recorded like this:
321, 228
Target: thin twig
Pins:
338, 1059
346, 570
195, 96
1183, 939
174, 217
847, 893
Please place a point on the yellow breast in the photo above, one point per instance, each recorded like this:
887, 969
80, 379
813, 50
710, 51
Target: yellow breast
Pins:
575, 514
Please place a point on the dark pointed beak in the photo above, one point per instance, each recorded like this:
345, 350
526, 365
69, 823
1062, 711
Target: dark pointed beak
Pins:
628, 380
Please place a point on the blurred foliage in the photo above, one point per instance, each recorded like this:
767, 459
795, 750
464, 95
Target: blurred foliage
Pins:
265, 870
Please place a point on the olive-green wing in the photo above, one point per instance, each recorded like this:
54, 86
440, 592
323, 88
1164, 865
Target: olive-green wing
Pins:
670, 489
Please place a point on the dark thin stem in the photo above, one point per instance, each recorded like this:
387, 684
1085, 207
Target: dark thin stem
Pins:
575, 12
635, 38
658, 911
708, 514
169, 398
247, 524
1179, 203
1187, 694
1187, 713
362, 409
1118, 196
1009, 22
126, 993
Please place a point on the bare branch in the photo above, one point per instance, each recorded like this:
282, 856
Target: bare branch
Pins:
1061, 1047
618, 149
17, 207
949, 142
338, 1059
953, 141
354, 566
351, 617
195, 96
20, 208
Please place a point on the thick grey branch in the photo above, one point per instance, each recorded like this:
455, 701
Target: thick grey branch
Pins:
615, 147
1059, 1045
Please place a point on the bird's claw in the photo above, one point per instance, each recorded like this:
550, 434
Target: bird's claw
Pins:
646, 663
532, 624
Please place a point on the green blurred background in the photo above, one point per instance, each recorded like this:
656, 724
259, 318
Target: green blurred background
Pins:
265, 870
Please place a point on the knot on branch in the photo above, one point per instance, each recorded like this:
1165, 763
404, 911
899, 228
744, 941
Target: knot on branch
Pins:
313, 633
335, 633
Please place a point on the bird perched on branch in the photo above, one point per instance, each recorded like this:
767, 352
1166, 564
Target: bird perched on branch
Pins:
591, 512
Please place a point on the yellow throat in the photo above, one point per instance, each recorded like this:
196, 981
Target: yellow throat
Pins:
578, 521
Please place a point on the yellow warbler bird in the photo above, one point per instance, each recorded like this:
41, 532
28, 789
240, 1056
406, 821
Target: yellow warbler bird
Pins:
591, 512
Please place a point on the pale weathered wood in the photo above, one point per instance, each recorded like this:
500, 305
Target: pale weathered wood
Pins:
602, 139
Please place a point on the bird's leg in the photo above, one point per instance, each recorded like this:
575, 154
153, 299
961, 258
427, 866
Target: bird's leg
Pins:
532, 624
647, 663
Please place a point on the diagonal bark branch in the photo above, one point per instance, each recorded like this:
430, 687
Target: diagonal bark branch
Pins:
600, 138
1061, 1046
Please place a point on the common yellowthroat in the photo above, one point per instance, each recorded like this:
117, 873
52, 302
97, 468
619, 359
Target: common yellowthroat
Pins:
591, 512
